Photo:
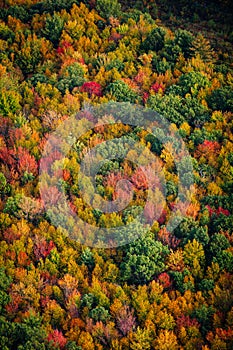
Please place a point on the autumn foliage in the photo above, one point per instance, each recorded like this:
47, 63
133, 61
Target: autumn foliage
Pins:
172, 287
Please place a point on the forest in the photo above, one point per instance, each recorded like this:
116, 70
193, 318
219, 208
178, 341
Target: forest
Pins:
116, 175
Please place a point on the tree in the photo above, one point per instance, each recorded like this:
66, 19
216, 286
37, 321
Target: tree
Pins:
4, 186
30, 53
88, 258
4, 285
57, 340
19, 12
121, 91
194, 256
171, 52
144, 258
92, 88
9, 102
71, 76
164, 280
29, 334
7, 330
184, 40
201, 46
71, 345
203, 315
154, 41
99, 314
108, 8
125, 320
206, 285
141, 339
218, 243
225, 260
190, 229
190, 83
12, 205
164, 320
179, 109
221, 99
157, 288
160, 65
27, 164
53, 28
182, 280
166, 340
42, 248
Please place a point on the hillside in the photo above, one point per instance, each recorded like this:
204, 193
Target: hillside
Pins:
116, 175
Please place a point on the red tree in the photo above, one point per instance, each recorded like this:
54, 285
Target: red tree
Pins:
164, 280
58, 339
92, 88
156, 87
42, 248
26, 162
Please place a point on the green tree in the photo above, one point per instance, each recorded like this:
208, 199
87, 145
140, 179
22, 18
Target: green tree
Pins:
190, 229
6, 33
180, 283
71, 345
225, 260
27, 335
178, 109
29, 56
121, 91
184, 40
160, 65
221, 99
12, 205
218, 243
99, 314
30, 334
53, 28
206, 285
144, 258
5, 282
204, 314
7, 329
154, 41
88, 258
89, 300
190, 83
19, 11
171, 52
9, 102
108, 8
71, 76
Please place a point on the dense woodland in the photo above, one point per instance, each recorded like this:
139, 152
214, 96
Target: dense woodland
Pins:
165, 290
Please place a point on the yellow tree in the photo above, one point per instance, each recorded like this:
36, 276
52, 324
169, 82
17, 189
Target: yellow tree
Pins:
194, 257
140, 340
166, 340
